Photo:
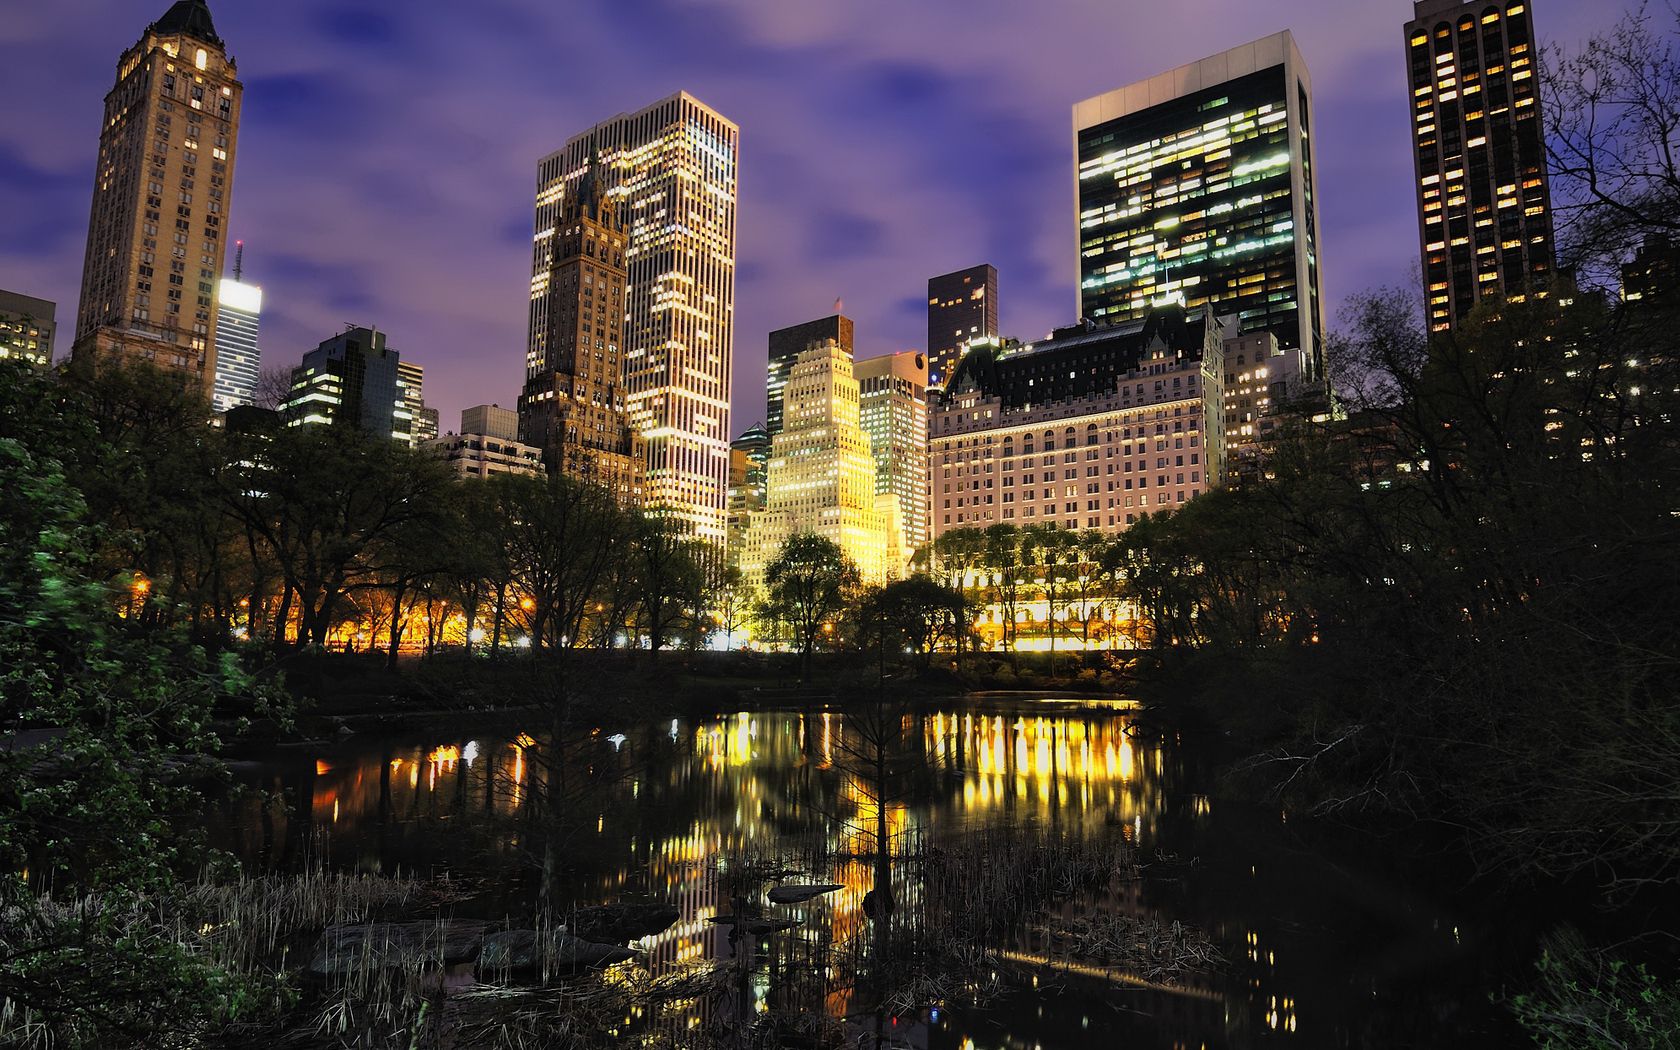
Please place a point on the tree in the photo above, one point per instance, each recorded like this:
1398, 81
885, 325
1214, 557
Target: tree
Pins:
324, 499
669, 574
1612, 116
807, 585
564, 537
914, 615
96, 712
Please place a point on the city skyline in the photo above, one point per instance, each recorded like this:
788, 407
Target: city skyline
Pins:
811, 230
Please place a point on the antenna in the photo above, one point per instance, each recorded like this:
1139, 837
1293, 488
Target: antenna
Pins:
238, 259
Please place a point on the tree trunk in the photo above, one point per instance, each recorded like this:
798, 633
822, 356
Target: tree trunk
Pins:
397, 620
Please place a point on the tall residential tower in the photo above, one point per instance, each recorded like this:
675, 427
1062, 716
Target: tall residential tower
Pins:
894, 409
671, 170
161, 193
1484, 213
962, 307
1196, 186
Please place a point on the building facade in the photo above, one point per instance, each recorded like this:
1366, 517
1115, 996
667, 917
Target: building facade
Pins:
26, 327
786, 344
1089, 429
488, 444
1261, 383
893, 390
161, 194
1484, 211
671, 170
962, 307
821, 475
1197, 186
411, 388
574, 406
238, 357
351, 380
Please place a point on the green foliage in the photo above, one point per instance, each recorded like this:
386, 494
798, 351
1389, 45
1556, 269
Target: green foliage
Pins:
806, 586
105, 729
1586, 1000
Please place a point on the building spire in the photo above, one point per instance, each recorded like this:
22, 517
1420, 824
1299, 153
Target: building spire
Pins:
191, 17
238, 259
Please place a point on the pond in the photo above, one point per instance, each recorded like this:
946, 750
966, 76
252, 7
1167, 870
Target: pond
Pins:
1313, 950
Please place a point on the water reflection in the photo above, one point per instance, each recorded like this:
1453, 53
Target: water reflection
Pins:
793, 787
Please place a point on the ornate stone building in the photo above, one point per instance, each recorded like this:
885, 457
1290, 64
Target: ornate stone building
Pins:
157, 233
574, 405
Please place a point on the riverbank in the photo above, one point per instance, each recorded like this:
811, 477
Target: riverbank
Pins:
341, 693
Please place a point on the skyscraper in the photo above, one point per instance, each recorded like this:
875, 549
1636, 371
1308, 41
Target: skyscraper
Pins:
786, 344
351, 380
26, 327
1197, 186
574, 405
238, 358
671, 168
962, 307
422, 422
160, 199
894, 411
1484, 212
821, 475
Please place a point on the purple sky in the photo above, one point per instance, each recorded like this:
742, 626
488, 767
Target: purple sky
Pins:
387, 158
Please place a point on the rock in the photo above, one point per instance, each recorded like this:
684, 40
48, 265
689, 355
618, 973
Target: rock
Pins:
795, 894
511, 951
618, 923
522, 952
755, 926
343, 950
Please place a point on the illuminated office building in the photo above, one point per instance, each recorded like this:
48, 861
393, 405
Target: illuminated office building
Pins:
962, 308
1484, 212
161, 194
411, 388
487, 445
1196, 186
238, 358
671, 171
786, 344
351, 380
26, 327
894, 400
821, 475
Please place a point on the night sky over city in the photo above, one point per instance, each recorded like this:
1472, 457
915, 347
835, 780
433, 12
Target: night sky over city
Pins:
387, 153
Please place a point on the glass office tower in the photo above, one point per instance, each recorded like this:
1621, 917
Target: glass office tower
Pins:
1196, 186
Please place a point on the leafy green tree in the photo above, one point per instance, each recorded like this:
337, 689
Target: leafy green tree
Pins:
807, 586
915, 615
96, 713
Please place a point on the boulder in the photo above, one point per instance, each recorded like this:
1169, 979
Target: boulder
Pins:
523, 951
799, 894
618, 923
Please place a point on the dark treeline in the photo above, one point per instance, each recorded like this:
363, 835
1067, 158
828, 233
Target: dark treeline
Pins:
297, 536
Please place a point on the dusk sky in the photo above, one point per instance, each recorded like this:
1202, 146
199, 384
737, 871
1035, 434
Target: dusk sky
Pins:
387, 153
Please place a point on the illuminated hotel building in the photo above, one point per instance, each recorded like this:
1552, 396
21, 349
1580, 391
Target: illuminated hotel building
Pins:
786, 344
894, 413
238, 358
1088, 429
1197, 185
962, 307
821, 475
26, 327
671, 171
1484, 212
160, 199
